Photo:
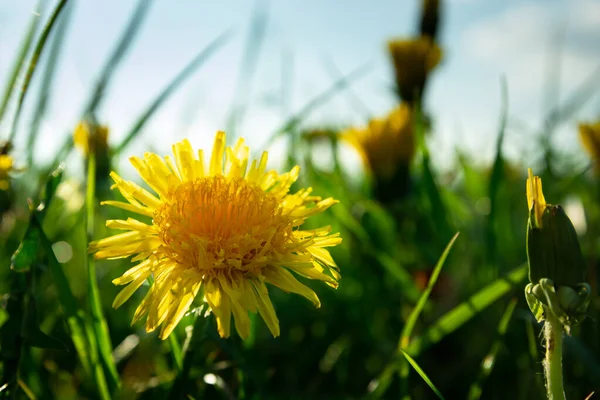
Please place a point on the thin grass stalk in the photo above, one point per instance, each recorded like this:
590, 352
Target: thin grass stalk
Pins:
185, 73
318, 101
176, 352
20, 60
117, 56
100, 326
248, 68
404, 341
47, 79
33, 63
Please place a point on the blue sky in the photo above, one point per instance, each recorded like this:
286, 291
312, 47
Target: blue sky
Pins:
482, 40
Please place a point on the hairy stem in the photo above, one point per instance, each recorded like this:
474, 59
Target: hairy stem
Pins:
553, 333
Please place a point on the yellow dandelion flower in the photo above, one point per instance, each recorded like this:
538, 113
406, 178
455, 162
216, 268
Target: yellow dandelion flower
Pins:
228, 229
385, 143
413, 60
88, 136
6, 166
535, 196
589, 134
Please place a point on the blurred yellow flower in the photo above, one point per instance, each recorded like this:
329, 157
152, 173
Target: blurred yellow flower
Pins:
230, 229
589, 134
385, 143
413, 60
6, 166
535, 196
88, 136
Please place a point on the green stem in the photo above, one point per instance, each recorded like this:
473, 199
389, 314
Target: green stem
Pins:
553, 333
179, 387
176, 352
99, 322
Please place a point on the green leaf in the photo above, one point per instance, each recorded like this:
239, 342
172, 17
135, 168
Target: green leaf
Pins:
536, 306
422, 373
32, 333
67, 300
462, 313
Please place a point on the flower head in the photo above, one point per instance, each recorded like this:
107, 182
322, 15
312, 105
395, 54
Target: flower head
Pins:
385, 143
589, 134
556, 264
413, 59
227, 229
92, 137
6, 166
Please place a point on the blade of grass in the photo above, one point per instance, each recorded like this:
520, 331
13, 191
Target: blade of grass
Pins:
98, 321
338, 86
287, 80
462, 313
110, 67
414, 315
47, 79
258, 27
117, 56
353, 99
176, 352
496, 178
98, 370
449, 322
422, 373
488, 362
577, 99
33, 63
20, 60
430, 189
185, 73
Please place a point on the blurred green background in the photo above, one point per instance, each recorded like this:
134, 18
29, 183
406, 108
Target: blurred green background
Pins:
485, 91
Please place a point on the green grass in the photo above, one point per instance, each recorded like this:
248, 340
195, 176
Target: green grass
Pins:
412, 298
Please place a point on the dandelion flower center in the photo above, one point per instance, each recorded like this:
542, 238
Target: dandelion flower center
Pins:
217, 224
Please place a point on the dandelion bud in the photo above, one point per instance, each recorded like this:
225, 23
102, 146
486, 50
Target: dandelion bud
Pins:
553, 248
556, 264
